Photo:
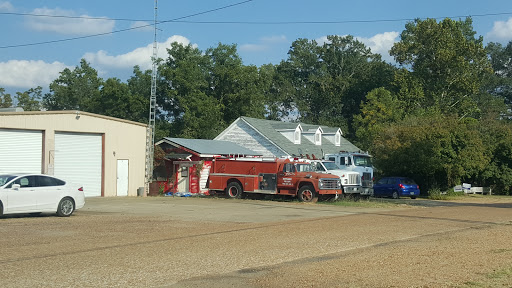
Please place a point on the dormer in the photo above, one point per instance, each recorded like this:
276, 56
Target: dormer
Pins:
294, 135
314, 135
334, 136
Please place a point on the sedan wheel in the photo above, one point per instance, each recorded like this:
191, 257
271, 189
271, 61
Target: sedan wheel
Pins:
66, 207
395, 195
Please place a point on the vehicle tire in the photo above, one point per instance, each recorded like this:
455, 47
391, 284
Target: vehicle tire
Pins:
413, 197
395, 195
234, 190
1, 209
307, 194
66, 207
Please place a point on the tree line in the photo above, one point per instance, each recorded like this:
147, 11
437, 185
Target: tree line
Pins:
440, 115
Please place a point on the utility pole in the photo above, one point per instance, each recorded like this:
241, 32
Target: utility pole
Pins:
150, 132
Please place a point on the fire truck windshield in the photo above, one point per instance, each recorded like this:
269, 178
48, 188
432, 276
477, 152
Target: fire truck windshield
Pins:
362, 161
331, 165
306, 167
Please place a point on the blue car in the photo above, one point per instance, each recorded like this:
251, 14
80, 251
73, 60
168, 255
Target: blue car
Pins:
396, 187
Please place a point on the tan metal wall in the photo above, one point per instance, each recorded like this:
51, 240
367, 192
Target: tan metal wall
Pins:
122, 140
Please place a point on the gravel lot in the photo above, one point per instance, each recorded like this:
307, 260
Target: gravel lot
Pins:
205, 242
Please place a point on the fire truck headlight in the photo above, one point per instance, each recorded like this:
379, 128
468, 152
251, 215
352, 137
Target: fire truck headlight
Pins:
320, 183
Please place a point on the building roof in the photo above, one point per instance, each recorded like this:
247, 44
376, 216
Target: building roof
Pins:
77, 113
269, 129
207, 148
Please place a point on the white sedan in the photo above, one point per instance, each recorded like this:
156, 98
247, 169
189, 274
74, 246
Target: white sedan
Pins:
36, 193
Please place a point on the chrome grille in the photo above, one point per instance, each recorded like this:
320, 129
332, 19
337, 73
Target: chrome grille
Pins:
330, 183
353, 179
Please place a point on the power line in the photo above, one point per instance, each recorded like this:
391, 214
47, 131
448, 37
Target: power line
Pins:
178, 20
127, 29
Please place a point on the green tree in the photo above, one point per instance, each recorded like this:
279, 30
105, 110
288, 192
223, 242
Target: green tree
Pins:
30, 100
446, 61
380, 109
236, 86
497, 136
279, 92
501, 61
331, 80
437, 151
74, 90
5, 99
116, 100
139, 85
184, 100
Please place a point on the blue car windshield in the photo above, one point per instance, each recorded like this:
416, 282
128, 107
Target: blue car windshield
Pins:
4, 179
363, 161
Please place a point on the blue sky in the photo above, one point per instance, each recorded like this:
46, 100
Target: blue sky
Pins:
273, 26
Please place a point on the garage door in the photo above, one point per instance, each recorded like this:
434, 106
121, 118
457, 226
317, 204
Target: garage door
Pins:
21, 151
78, 159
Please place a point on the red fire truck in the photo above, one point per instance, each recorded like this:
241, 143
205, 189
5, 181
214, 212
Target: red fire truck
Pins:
280, 176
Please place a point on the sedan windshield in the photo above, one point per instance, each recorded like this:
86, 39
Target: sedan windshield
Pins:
363, 161
331, 166
4, 179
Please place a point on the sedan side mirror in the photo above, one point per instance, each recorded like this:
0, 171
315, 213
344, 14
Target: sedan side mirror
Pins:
16, 187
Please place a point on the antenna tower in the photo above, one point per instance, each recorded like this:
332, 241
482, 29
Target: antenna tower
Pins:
150, 132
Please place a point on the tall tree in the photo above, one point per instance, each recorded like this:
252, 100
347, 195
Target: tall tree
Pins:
434, 149
380, 109
116, 100
501, 60
30, 100
186, 73
75, 89
446, 61
139, 85
5, 99
330, 81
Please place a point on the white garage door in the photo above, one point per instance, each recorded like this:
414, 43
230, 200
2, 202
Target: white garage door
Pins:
20, 151
78, 160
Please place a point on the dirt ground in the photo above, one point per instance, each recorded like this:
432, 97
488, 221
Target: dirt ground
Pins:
204, 242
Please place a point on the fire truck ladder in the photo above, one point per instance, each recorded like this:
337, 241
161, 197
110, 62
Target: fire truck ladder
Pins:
150, 132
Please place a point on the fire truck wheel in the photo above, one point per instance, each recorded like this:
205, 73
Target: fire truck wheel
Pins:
234, 190
307, 194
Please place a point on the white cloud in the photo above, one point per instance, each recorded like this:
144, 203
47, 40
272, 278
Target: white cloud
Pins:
6, 6
70, 26
379, 44
140, 56
264, 44
29, 73
501, 31
142, 26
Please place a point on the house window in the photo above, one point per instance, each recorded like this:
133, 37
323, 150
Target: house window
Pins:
296, 137
337, 139
318, 138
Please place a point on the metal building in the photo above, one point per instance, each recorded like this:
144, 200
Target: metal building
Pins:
104, 154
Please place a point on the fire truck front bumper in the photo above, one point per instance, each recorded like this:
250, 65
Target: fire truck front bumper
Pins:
366, 191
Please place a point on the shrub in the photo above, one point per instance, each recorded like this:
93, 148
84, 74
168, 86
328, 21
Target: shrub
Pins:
436, 194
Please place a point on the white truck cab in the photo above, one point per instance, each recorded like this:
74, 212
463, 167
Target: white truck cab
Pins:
358, 162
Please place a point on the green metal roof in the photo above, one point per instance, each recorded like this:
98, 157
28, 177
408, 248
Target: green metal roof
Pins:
209, 147
269, 129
